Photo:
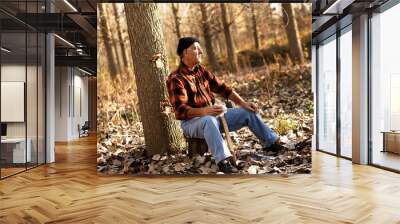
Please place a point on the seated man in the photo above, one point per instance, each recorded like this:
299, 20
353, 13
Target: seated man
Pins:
190, 90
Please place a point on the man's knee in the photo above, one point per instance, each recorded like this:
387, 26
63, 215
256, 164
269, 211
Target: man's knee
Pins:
246, 113
210, 120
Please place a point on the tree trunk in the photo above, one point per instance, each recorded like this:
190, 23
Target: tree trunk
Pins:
232, 59
106, 40
292, 34
219, 45
161, 131
176, 19
212, 60
271, 23
269, 31
129, 75
120, 39
233, 26
254, 26
111, 18
194, 27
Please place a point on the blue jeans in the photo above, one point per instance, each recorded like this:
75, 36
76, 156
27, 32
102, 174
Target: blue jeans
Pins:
209, 128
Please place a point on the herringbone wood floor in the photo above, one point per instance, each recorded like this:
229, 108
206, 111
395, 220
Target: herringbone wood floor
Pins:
70, 191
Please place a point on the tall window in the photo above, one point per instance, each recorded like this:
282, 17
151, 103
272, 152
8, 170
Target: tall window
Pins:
327, 95
346, 92
385, 88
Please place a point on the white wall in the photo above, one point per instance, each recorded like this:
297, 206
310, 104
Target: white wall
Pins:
71, 87
62, 80
13, 72
80, 109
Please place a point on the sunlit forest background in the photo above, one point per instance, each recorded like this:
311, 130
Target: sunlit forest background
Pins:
249, 45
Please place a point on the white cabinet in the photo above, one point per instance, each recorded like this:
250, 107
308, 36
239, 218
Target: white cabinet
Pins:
16, 149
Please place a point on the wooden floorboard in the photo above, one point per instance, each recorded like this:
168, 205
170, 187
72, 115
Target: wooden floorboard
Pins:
70, 191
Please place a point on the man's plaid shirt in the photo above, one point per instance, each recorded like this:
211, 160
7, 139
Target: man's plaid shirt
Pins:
193, 89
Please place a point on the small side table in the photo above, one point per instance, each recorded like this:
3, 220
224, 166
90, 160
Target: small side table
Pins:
391, 141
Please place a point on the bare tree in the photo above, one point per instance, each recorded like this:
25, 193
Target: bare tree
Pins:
254, 26
175, 11
161, 131
192, 21
111, 19
107, 41
212, 60
219, 44
303, 15
270, 23
119, 32
292, 33
232, 59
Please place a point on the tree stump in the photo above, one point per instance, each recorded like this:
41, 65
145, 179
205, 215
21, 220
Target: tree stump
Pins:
196, 146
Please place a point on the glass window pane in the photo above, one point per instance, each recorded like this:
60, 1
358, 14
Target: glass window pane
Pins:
31, 101
385, 88
327, 96
23, 85
41, 98
346, 94
13, 86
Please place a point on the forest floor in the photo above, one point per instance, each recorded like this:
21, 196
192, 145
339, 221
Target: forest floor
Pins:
285, 103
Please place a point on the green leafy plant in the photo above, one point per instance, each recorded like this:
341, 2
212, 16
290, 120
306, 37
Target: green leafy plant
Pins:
283, 124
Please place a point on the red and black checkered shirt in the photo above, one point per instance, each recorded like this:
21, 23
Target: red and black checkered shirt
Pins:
193, 89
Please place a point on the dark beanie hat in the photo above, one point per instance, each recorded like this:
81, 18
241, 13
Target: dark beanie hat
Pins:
184, 43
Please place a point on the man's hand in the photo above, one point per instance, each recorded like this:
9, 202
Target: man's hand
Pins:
249, 106
213, 110
199, 112
234, 96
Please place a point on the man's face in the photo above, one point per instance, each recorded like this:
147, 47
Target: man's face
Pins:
193, 53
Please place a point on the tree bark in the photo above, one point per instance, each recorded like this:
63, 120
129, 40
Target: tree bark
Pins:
106, 40
232, 59
292, 33
176, 19
212, 59
254, 26
161, 131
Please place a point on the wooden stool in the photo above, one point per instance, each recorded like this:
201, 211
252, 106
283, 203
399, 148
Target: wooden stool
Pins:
196, 146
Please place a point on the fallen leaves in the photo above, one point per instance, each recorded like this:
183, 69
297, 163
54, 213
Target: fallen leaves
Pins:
254, 159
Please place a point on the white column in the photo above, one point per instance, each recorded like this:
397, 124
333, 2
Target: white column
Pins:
313, 89
50, 92
50, 108
360, 90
